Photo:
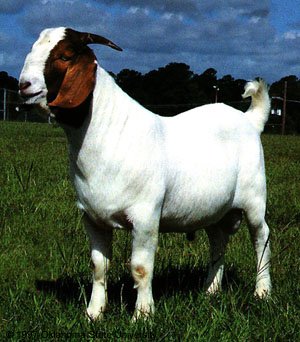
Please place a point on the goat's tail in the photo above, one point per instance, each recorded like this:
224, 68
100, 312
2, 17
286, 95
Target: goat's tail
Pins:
259, 109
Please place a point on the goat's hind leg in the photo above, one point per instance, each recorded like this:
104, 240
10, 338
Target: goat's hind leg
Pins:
218, 236
101, 252
218, 240
260, 236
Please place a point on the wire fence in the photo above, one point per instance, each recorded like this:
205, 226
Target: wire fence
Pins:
11, 109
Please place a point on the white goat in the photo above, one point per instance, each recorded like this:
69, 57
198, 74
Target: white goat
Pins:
135, 170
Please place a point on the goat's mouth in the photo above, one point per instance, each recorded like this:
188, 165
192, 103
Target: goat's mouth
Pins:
32, 97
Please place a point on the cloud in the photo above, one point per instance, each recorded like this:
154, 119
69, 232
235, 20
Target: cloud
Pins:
234, 36
187, 7
292, 35
172, 34
195, 8
13, 6
52, 13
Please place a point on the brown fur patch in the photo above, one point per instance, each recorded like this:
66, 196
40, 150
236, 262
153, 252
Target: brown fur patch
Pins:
69, 74
70, 78
140, 272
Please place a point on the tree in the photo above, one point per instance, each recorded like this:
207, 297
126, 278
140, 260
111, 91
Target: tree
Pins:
131, 82
11, 97
230, 90
292, 107
293, 84
172, 84
207, 84
7, 81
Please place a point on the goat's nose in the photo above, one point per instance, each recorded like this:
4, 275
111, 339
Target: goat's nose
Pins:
24, 85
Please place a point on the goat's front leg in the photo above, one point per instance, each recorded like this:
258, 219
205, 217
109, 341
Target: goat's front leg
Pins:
101, 251
144, 246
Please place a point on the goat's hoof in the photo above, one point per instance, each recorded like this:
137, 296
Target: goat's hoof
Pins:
262, 293
213, 290
142, 314
93, 316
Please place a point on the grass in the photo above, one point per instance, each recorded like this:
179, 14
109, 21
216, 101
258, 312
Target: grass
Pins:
45, 264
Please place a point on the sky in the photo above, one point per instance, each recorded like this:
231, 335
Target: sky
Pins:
243, 38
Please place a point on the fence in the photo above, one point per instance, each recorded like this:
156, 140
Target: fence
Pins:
11, 109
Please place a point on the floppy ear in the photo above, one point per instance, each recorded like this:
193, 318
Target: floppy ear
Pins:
78, 82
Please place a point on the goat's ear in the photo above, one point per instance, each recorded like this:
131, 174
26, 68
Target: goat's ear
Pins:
78, 82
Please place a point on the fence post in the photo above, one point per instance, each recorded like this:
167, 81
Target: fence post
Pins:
4, 104
284, 109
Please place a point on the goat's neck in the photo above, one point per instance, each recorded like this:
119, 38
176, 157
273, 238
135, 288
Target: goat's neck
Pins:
110, 103
101, 114
114, 120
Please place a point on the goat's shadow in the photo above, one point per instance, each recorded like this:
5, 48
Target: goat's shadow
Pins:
166, 283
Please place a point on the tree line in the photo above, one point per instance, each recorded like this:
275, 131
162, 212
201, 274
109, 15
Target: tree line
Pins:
175, 88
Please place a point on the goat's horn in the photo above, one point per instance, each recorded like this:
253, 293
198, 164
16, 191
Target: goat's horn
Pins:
90, 38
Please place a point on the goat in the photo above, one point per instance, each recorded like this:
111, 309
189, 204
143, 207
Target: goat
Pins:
133, 169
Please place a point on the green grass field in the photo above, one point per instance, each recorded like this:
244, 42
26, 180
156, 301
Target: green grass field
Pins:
45, 265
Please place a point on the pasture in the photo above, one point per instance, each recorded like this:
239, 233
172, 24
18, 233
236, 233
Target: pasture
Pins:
45, 263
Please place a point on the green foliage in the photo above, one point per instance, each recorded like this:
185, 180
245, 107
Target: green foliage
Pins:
44, 258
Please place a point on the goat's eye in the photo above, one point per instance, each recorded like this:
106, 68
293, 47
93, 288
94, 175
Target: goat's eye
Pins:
65, 58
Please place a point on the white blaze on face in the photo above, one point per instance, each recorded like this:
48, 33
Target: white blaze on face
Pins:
33, 69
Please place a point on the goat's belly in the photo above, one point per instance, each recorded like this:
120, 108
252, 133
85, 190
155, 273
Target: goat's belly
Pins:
185, 211
191, 220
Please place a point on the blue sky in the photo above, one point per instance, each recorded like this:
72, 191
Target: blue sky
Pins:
238, 37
